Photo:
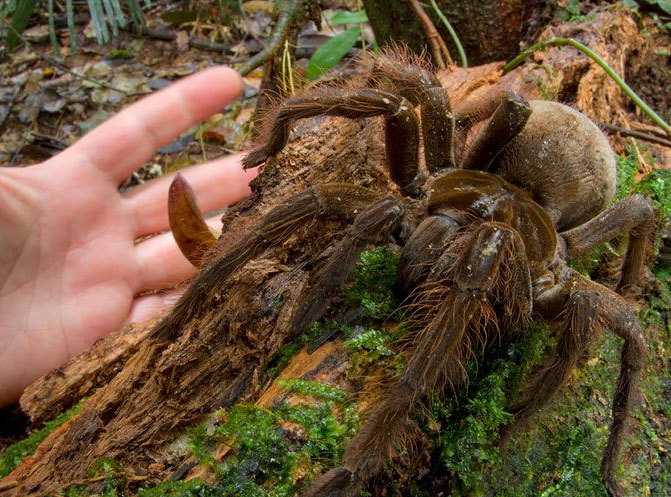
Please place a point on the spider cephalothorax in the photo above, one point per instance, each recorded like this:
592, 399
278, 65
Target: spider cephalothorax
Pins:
487, 230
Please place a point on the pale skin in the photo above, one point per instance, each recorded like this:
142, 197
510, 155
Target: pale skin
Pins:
70, 266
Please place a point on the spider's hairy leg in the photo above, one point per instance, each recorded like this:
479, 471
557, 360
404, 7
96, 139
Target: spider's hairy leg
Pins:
401, 127
579, 317
437, 129
337, 200
455, 298
617, 317
590, 306
414, 81
425, 245
374, 224
633, 215
508, 119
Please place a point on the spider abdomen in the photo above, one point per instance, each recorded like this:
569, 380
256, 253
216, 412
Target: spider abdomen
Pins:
564, 161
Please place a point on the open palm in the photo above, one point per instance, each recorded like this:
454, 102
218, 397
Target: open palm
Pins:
69, 264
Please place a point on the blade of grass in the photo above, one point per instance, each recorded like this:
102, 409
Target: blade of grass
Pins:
96, 11
111, 17
118, 11
19, 22
453, 33
136, 13
70, 14
52, 29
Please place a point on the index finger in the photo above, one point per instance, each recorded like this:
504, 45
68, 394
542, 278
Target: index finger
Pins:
125, 142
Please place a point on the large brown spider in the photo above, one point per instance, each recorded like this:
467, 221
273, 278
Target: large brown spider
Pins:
486, 238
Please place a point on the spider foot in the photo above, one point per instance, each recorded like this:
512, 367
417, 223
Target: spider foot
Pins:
339, 482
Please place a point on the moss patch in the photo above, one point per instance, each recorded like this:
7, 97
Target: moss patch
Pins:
372, 285
270, 448
470, 423
12, 456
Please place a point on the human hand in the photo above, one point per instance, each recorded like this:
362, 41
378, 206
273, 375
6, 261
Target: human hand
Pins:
69, 264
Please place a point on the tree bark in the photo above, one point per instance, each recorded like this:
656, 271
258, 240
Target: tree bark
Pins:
489, 30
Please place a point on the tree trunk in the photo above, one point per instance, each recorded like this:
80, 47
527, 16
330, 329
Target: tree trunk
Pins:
489, 30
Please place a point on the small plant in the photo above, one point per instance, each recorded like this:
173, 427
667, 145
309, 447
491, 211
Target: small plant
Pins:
657, 186
333, 51
627, 168
107, 16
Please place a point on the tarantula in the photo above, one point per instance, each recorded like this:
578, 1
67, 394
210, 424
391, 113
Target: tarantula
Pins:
485, 235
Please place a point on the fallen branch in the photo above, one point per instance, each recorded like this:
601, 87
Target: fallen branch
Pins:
198, 43
648, 137
432, 36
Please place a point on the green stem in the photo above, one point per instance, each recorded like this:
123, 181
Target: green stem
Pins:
558, 42
453, 34
52, 29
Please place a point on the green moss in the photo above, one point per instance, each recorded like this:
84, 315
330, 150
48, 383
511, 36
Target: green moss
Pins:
14, 454
371, 347
657, 186
191, 488
315, 389
373, 281
371, 289
264, 460
373, 342
120, 53
472, 422
627, 168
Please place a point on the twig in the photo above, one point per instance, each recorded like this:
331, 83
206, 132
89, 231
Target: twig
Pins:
285, 19
648, 137
8, 109
431, 33
558, 42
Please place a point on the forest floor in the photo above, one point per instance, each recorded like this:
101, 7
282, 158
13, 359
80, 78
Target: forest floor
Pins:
271, 448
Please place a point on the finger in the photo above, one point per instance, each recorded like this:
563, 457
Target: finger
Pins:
161, 264
148, 306
122, 144
217, 184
